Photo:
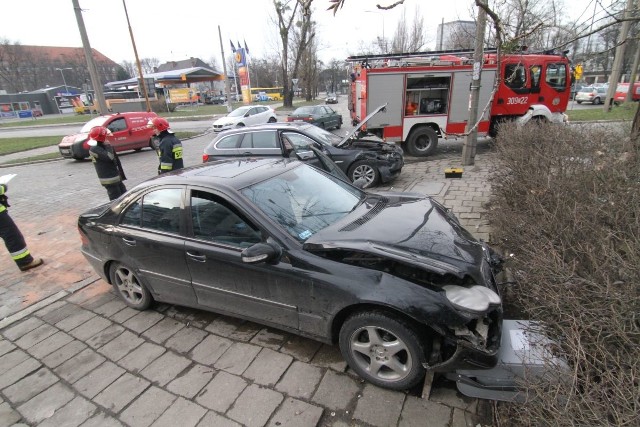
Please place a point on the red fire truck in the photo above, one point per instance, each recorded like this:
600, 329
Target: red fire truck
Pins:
428, 93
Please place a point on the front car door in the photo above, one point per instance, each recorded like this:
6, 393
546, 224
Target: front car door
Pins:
219, 231
121, 138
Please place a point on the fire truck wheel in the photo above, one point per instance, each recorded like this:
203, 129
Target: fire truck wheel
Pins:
422, 142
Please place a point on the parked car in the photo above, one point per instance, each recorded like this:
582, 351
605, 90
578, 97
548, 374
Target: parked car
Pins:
216, 99
332, 98
319, 115
621, 92
595, 95
360, 158
392, 278
245, 116
130, 132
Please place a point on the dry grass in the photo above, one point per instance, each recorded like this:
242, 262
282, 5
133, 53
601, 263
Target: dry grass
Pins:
567, 206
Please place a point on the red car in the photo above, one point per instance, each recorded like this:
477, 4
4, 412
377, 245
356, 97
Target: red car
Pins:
130, 132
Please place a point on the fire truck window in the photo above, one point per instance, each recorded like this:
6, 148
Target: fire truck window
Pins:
427, 95
556, 76
515, 76
535, 71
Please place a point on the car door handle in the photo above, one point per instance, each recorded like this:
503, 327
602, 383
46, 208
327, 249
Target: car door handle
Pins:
196, 257
129, 241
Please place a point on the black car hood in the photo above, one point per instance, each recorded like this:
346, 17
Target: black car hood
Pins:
414, 230
350, 136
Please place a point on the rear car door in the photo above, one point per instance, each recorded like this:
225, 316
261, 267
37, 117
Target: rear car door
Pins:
219, 231
150, 239
260, 143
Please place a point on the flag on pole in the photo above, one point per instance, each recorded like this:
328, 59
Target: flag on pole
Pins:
233, 48
245, 46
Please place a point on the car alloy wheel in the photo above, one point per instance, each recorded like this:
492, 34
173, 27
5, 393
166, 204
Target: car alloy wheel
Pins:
129, 287
383, 349
363, 169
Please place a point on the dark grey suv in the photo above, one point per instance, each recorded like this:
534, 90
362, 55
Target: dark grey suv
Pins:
361, 159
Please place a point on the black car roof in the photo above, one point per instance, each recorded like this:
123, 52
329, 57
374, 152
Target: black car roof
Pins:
233, 174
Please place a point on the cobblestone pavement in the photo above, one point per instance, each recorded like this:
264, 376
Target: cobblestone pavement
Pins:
71, 353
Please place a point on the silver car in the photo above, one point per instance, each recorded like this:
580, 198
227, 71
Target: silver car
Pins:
595, 95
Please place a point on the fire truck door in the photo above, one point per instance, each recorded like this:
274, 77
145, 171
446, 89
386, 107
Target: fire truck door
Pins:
459, 105
385, 89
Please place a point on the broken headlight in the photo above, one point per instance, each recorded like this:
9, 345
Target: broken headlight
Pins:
476, 299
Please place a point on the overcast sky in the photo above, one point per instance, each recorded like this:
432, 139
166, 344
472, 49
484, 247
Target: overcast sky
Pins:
189, 28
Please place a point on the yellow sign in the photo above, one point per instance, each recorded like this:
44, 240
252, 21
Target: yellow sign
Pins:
578, 71
183, 95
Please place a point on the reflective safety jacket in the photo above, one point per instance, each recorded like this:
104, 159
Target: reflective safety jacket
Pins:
4, 203
170, 152
106, 163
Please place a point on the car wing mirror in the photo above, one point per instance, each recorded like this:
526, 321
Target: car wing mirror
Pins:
305, 154
260, 252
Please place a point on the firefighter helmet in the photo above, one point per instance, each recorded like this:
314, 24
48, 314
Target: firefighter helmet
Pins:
98, 134
159, 123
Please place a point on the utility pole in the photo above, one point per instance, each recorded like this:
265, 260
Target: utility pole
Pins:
91, 65
135, 52
616, 69
471, 139
227, 83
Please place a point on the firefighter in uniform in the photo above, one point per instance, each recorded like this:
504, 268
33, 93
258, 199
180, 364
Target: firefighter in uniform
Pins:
13, 239
106, 162
169, 147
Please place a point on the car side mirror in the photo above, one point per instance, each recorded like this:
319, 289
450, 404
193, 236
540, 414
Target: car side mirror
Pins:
260, 252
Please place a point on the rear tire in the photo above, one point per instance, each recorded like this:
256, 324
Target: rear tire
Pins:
129, 287
422, 142
596, 101
272, 120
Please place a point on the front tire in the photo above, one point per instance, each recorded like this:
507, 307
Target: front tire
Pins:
364, 169
422, 142
596, 101
129, 287
272, 120
383, 349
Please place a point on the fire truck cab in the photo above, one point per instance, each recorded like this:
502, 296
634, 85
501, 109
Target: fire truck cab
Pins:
428, 94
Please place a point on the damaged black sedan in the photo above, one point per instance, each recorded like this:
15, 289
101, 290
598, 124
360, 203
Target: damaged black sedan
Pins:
392, 278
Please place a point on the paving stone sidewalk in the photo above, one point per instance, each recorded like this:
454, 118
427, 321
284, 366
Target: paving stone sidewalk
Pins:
82, 358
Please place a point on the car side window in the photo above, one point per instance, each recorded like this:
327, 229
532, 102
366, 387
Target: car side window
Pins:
231, 141
217, 221
299, 141
117, 125
259, 140
158, 210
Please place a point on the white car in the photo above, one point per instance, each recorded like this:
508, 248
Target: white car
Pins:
245, 116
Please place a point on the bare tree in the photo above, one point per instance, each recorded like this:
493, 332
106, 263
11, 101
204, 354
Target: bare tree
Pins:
130, 68
149, 65
409, 38
288, 13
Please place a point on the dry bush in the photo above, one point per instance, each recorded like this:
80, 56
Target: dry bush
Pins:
567, 206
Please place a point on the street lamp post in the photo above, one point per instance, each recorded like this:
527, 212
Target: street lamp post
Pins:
66, 89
